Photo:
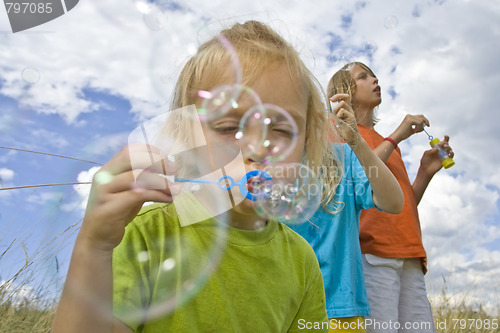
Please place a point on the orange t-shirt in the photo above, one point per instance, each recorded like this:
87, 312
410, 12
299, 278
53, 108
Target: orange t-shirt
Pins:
391, 235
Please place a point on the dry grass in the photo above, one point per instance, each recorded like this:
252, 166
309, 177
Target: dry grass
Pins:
24, 317
24, 308
462, 312
465, 318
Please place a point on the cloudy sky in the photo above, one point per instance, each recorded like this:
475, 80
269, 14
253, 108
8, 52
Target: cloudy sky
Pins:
78, 85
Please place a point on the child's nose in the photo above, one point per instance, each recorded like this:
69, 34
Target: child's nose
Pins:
256, 154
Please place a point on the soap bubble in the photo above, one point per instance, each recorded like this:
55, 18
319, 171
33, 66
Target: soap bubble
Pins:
225, 98
155, 19
348, 65
170, 267
292, 196
267, 133
391, 22
30, 75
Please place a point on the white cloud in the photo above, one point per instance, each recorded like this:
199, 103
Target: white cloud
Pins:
471, 281
82, 190
6, 174
50, 138
107, 144
7, 156
44, 198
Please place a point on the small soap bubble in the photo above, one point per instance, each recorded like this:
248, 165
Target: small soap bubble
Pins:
143, 256
348, 66
155, 19
30, 75
259, 225
204, 94
391, 22
103, 177
168, 264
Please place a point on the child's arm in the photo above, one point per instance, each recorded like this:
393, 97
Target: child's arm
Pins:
410, 125
86, 301
387, 194
430, 162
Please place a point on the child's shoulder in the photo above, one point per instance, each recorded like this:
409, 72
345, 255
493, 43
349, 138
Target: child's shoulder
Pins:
149, 216
155, 208
295, 240
345, 154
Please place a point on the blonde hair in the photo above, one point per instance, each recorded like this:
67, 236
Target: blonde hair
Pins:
258, 47
342, 82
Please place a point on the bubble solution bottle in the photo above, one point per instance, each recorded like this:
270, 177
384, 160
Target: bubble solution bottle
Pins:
446, 160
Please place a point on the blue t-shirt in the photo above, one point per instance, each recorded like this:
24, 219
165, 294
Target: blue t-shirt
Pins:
335, 240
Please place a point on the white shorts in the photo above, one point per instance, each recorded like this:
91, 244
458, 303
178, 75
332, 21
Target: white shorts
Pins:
397, 296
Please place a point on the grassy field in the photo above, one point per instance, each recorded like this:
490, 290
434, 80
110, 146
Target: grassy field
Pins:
24, 308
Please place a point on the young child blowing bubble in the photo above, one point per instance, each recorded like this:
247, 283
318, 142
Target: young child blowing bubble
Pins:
394, 260
268, 278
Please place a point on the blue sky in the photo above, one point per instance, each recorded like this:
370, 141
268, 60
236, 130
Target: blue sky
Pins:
78, 85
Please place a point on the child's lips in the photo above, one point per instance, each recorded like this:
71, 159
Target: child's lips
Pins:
253, 184
256, 184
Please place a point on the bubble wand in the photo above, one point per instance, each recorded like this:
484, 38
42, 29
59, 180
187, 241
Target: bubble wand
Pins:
226, 182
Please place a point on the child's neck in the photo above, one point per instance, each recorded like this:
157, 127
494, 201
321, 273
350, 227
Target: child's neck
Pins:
364, 116
244, 221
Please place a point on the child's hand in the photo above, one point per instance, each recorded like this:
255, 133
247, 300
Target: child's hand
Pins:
117, 195
430, 163
410, 125
345, 119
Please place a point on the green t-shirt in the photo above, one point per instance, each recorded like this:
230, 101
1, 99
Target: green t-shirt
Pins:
208, 278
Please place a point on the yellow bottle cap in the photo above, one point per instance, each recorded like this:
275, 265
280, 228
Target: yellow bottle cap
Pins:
434, 141
448, 163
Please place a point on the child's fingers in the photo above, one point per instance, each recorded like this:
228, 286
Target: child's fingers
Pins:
446, 146
426, 121
154, 181
418, 122
345, 108
342, 114
341, 100
143, 195
117, 201
136, 179
339, 97
138, 157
